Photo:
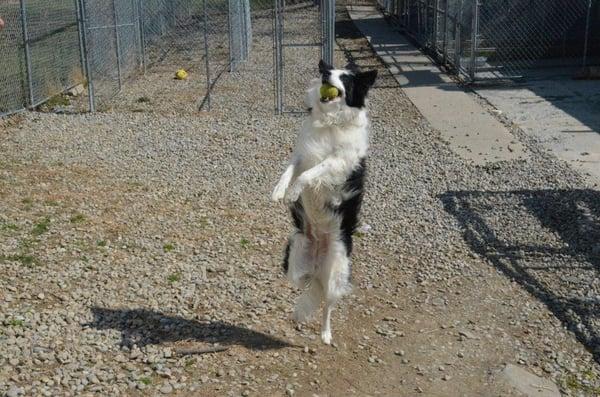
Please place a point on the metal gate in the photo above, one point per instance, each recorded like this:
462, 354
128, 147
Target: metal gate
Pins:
290, 43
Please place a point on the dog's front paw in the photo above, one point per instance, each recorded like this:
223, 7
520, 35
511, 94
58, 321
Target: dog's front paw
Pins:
293, 193
279, 192
326, 337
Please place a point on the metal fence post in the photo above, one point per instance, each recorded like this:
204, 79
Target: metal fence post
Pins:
118, 44
407, 24
206, 54
27, 51
229, 36
587, 33
457, 36
141, 27
474, 38
329, 31
85, 62
445, 36
278, 36
434, 41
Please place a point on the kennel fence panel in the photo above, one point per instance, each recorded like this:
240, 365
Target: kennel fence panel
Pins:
489, 40
103, 49
516, 36
13, 73
40, 52
302, 30
53, 48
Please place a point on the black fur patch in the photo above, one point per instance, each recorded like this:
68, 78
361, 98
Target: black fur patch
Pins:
297, 211
325, 70
286, 257
357, 87
350, 208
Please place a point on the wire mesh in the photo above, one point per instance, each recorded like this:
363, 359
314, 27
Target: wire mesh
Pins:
517, 35
53, 47
13, 75
483, 39
304, 29
102, 48
40, 52
50, 46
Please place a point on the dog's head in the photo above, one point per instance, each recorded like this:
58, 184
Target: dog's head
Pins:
352, 88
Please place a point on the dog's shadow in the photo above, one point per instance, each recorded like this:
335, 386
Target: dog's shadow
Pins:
143, 327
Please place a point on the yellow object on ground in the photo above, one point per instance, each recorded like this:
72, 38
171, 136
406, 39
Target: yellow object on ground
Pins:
181, 74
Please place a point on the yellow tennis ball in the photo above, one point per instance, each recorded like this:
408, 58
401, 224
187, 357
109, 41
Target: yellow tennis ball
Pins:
181, 74
328, 91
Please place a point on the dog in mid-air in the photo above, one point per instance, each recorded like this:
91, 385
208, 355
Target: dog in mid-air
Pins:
323, 185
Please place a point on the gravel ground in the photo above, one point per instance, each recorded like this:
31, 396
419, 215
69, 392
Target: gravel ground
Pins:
129, 235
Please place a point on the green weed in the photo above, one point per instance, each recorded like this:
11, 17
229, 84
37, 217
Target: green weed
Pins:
41, 227
173, 278
77, 218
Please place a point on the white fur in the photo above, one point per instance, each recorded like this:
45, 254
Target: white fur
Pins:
330, 146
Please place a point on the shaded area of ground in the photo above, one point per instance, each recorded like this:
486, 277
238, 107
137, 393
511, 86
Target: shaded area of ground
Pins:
537, 227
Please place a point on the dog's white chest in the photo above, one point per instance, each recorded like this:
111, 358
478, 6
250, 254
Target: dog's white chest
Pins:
348, 144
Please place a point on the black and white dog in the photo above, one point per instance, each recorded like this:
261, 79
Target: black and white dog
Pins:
323, 184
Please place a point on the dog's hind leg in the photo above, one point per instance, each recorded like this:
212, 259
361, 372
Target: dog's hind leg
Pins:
326, 324
300, 267
335, 279
301, 272
308, 302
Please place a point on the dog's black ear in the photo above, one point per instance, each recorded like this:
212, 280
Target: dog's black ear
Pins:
353, 67
324, 67
366, 79
357, 87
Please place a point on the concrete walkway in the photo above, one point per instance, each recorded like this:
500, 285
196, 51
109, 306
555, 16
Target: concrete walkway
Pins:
562, 113
469, 129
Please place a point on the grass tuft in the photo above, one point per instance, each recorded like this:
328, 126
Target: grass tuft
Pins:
173, 278
41, 227
77, 218
9, 226
145, 381
16, 323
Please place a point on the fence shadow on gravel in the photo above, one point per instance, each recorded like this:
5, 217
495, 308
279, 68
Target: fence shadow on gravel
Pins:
546, 240
144, 327
362, 57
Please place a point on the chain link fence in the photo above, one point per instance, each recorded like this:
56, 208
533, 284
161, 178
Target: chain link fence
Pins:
503, 39
303, 29
49, 47
40, 52
13, 93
